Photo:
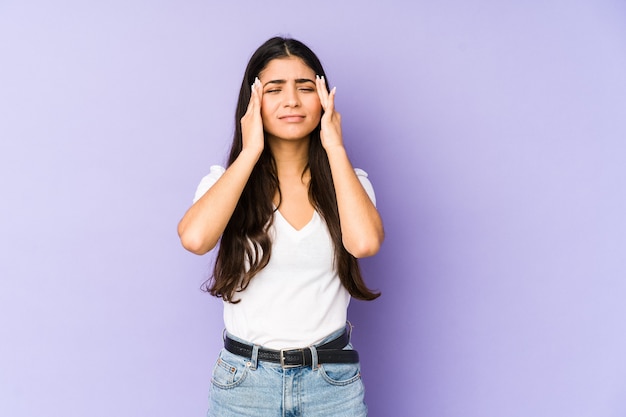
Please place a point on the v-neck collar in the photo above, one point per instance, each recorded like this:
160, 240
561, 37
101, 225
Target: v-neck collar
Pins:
314, 219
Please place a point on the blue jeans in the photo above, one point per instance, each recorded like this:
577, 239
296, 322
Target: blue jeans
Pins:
243, 387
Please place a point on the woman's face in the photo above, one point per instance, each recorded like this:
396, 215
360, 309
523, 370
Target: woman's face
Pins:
290, 106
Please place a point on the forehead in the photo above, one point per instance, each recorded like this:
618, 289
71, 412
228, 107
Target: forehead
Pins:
286, 68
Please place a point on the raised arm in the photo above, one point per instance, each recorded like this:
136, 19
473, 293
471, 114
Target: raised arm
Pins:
361, 225
203, 224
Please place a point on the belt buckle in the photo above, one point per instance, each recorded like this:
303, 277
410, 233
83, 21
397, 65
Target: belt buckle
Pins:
282, 358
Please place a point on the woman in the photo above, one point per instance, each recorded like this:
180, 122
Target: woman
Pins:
291, 215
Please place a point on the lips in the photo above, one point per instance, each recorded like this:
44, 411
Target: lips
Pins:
292, 118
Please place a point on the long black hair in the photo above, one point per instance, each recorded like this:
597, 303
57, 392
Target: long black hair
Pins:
246, 246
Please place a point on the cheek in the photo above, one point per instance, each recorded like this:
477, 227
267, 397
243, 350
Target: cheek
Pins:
264, 115
315, 107
317, 102
266, 110
318, 114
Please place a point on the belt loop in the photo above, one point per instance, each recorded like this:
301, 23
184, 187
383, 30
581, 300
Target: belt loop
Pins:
314, 360
349, 327
254, 358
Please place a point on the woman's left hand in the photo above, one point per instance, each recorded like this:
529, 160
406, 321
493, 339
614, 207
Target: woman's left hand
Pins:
331, 119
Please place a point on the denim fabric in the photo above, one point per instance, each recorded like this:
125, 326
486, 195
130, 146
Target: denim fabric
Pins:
245, 387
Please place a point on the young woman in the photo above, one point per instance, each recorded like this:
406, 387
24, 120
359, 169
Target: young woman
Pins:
292, 216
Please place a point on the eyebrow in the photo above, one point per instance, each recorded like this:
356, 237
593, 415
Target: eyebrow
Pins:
298, 81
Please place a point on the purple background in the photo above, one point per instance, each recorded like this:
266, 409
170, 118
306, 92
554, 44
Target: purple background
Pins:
494, 133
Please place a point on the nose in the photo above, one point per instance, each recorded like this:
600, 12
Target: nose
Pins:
291, 97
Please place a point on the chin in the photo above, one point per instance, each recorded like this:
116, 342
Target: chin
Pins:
292, 135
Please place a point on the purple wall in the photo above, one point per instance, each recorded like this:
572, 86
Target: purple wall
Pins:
494, 134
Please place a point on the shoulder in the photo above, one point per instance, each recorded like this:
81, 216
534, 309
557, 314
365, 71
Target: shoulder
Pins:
365, 182
215, 172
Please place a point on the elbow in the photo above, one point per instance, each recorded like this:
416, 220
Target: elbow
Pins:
363, 248
194, 243
193, 246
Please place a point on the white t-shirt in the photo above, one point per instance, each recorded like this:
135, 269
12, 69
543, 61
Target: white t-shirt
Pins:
298, 298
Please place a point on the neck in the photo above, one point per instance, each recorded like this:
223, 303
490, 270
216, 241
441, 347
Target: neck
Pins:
291, 156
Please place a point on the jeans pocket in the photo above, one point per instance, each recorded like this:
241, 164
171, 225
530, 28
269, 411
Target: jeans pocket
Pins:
229, 371
340, 373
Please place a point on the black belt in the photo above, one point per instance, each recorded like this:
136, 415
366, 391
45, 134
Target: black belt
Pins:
330, 352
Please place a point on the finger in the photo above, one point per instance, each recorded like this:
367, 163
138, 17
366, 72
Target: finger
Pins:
258, 87
330, 104
321, 91
318, 89
255, 96
251, 103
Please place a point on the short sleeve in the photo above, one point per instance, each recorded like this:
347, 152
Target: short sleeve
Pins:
365, 182
215, 172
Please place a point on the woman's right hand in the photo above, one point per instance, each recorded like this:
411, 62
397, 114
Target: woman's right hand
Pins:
203, 224
251, 122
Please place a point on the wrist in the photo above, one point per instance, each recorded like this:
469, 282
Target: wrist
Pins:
336, 149
250, 154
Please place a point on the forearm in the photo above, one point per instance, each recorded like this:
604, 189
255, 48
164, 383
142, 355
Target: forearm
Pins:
203, 224
361, 225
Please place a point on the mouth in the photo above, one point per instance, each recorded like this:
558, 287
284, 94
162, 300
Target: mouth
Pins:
292, 118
